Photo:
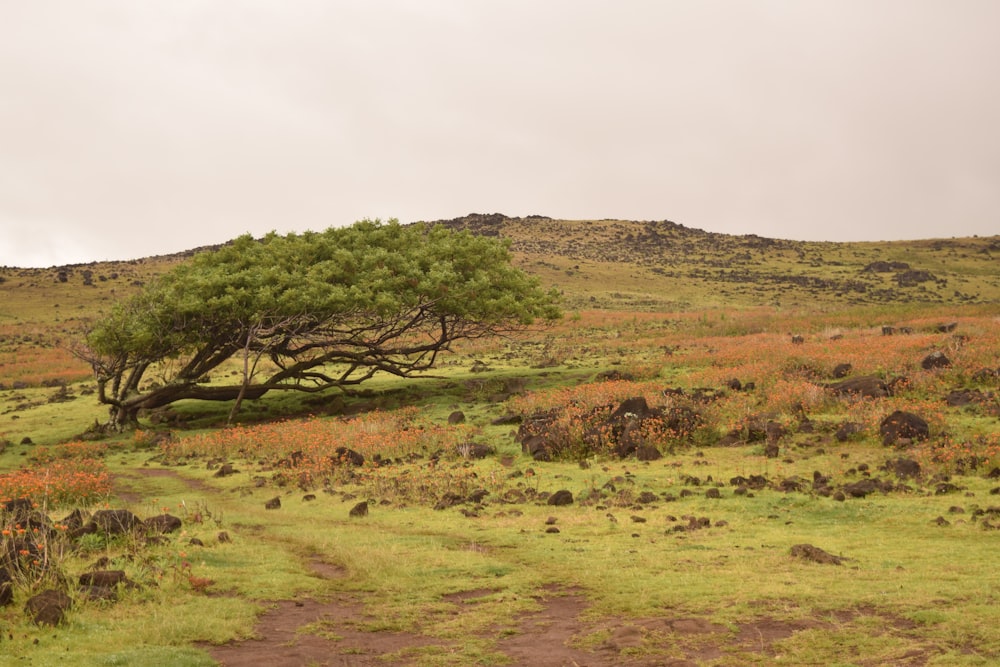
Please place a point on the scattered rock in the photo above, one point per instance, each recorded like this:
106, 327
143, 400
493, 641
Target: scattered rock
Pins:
614, 376
561, 497
815, 555
900, 428
474, 450
48, 607
225, 470
864, 487
904, 468
962, 397
104, 578
273, 503
868, 386
537, 447
115, 522
935, 359
505, 420
6, 588
647, 452
162, 523
848, 429
347, 456
842, 370
360, 510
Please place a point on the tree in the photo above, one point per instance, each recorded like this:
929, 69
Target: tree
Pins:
323, 309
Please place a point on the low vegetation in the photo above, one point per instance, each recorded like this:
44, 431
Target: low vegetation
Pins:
769, 484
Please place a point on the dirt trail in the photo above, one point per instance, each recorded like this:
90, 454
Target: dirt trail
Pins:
331, 632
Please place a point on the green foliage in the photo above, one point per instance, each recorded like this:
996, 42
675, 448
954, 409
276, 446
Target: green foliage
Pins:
370, 297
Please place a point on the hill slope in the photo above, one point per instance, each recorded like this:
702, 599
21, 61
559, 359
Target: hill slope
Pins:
664, 265
612, 264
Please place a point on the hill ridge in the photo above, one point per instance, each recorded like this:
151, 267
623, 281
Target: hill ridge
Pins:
670, 265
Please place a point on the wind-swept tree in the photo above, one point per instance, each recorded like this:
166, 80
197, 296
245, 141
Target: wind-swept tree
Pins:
307, 312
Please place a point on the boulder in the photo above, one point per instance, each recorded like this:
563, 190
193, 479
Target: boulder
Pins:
162, 524
561, 497
348, 457
842, 370
866, 386
48, 607
935, 359
814, 554
901, 428
903, 467
115, 522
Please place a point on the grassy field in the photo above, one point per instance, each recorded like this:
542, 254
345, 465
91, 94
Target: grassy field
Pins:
767, 532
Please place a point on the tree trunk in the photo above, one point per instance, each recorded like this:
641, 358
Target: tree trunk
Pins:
123, 418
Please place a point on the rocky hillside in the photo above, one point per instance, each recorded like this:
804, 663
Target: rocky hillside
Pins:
662, 264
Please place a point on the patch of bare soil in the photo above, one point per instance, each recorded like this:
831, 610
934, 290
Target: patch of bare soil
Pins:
543, 637
332, 633
336, 632
326, 633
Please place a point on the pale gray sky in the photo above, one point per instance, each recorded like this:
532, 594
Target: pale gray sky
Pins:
136, 128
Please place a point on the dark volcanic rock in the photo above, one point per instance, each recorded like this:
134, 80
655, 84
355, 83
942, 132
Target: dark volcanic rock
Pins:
115, 522
48, 607
474, 450
962, 397
868, 386
901, 428
614, 376
648, 453
163, 523
537, 447
6, 588
507, 419
104, 578
561, 497
904, 468
842, 370
225, 470
861, 488
935, 359
815, 555
348, 456
848, 429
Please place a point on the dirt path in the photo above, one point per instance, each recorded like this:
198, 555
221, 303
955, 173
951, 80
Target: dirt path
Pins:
332, 631
541, 641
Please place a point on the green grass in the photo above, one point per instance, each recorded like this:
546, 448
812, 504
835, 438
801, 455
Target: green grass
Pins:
910, 589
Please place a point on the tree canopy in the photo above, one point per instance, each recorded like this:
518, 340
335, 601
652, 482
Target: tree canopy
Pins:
325, 309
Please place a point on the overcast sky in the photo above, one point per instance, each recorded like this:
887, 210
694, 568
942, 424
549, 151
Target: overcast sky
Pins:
136, 128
